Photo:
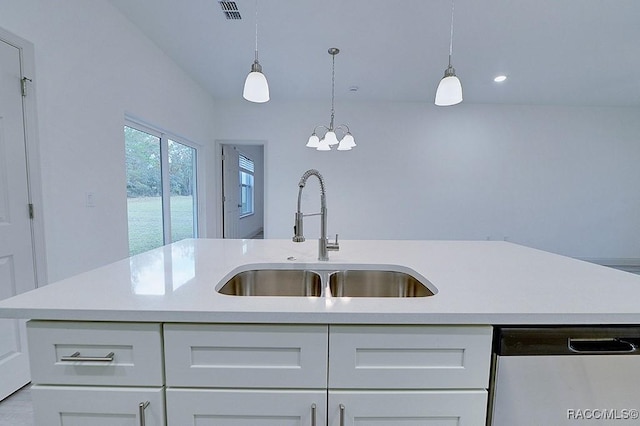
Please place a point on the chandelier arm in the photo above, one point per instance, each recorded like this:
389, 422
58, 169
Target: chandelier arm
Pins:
343, 127
321, 126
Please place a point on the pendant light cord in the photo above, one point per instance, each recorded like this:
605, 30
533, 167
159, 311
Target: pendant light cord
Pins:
256, 30
451, 37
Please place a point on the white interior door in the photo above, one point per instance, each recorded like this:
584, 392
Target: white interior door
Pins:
230, 191
17, 272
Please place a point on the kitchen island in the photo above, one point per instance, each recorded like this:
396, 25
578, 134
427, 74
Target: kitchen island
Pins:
151, 335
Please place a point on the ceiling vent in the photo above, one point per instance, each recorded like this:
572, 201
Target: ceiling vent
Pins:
230, 9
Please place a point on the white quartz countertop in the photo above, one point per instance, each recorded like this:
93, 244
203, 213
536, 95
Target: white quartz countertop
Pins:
477, 282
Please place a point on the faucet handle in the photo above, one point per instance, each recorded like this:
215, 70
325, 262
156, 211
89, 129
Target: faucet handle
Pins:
333, 246
298, 234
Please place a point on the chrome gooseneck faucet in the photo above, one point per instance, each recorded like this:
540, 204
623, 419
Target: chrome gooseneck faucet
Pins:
323, 244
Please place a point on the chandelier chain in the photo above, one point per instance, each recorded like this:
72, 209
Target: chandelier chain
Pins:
333, 90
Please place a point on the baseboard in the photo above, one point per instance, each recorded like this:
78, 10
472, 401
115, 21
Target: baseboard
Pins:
255, 233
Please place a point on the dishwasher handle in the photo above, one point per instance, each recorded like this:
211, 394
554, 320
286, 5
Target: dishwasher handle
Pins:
607, 345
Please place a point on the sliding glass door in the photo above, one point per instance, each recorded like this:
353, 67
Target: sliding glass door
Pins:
161, 188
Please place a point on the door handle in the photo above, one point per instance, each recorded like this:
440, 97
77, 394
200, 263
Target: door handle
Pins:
342, 414
77, 357
313, 414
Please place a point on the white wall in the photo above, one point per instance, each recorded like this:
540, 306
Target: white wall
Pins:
557, 178
92, 67
562, 179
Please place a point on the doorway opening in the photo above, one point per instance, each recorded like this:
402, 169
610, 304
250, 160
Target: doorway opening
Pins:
242, 189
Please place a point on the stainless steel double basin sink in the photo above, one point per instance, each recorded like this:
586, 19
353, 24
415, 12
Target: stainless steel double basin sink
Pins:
318, 283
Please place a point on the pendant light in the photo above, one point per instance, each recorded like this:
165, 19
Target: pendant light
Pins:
449, 90
256, 88
330, 138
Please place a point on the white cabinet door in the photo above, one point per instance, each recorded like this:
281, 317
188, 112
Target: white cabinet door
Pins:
119, 354
209, 407
95, 406
409, 357
407, 408
246, 356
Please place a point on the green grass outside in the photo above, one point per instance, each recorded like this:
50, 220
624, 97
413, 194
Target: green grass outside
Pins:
145, 221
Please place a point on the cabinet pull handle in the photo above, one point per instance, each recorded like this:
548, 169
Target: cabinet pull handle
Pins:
76, 357
313, 414
141, 408
341, 414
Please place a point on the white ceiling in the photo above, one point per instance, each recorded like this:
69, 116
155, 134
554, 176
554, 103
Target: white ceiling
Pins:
562, 52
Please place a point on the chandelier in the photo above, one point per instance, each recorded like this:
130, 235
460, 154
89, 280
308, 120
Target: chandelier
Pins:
329, 137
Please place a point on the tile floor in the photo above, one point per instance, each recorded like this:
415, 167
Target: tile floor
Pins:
17, 410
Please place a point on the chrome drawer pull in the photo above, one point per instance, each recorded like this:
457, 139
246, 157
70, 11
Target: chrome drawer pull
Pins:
313, 414
76, 357
341, 415
141, 408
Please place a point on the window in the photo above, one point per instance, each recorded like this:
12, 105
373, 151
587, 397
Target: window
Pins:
161, 188
247, 169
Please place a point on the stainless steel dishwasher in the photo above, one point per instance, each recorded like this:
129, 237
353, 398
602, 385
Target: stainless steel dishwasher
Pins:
565, 376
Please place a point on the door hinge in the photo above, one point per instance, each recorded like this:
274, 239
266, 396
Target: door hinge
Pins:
30, 211
23, 85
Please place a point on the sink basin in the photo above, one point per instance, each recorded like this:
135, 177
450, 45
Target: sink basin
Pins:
369, 283
273, 282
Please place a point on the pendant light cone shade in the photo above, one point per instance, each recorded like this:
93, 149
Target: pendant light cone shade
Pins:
256, 88
449, 90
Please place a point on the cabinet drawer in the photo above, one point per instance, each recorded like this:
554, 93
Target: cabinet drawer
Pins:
208, 407
409, 357
442, 408
96, 406
120, 354
254, 356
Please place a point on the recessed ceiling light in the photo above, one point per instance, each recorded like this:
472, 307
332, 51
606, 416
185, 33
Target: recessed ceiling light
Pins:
500, 78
